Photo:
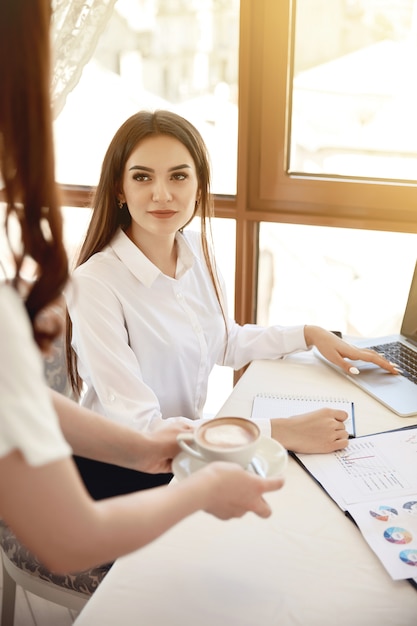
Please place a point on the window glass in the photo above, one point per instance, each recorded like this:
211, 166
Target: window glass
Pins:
354, 95
354, 281
178, 55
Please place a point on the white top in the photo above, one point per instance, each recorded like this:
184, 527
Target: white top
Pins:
146, 343
28, 421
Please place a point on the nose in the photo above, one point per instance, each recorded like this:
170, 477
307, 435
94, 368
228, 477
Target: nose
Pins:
161, 192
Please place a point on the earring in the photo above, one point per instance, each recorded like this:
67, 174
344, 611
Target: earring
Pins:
120, 204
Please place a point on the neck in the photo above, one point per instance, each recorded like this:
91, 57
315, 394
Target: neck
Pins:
160, 250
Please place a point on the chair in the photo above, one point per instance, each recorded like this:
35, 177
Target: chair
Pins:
20, 567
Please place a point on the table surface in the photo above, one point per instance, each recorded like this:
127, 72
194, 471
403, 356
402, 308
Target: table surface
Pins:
306, 565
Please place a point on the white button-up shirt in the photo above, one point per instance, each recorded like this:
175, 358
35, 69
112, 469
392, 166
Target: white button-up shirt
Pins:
146, 343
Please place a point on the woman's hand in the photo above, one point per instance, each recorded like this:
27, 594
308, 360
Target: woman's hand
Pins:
320, 431
162, 448
337, 351
230, 491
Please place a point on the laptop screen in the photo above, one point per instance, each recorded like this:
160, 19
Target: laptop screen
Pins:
409, 325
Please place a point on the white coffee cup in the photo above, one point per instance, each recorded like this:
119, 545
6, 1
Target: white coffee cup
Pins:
233, 439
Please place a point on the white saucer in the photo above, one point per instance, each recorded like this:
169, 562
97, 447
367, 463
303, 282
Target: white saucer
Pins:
271, 456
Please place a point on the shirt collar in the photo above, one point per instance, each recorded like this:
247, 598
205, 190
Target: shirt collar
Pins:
141, 267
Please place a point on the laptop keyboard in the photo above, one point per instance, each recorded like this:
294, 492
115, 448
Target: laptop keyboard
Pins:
401, 355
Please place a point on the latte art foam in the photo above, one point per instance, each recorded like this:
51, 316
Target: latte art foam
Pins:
227, 436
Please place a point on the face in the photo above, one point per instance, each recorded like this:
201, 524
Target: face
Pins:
160, 187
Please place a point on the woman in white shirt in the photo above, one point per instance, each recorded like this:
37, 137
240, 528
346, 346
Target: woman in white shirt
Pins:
147, 303
42, 497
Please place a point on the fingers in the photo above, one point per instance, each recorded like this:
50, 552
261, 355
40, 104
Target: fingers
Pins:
339, 415
338, 351
375, 357
261, 506
236, 491
338, 444
271, 484
364, 354
262, 509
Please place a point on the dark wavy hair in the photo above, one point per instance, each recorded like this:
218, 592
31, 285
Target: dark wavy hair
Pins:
26, 151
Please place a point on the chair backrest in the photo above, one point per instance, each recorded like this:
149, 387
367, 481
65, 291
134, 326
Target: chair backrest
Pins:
56, 368
23, 568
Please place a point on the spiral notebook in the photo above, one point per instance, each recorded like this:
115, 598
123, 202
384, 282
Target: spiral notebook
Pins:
270, 405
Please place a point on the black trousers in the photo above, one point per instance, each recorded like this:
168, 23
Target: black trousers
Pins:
104, 480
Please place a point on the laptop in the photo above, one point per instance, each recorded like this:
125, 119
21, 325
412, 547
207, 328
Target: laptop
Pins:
398, 393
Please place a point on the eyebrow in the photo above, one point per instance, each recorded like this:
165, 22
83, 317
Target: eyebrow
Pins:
149, 169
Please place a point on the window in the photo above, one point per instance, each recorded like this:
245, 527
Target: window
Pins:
353, 94
177, 55
354, 281
300, 176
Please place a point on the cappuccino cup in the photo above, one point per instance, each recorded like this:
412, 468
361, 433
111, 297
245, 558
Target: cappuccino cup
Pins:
233, 439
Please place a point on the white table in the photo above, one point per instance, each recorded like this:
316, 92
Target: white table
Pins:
306, 565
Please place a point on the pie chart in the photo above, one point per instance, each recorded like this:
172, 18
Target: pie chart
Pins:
411, 507
384, 513
395, 534
409, 557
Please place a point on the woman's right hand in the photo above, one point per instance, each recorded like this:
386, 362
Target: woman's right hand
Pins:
231, 491
320, 431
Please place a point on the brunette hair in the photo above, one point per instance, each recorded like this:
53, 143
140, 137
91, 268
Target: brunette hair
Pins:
26, 151
108, 218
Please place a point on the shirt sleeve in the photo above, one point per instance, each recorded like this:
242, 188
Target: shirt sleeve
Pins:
250, 342
28, 421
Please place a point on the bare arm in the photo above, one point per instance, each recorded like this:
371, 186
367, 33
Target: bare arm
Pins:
69, 531
95, 437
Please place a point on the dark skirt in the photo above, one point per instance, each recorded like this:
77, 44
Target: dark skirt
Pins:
104, 480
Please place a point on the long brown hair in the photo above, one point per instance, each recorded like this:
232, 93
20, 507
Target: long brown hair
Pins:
26, 149
108, 218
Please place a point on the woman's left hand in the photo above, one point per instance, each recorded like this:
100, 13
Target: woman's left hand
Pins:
337, 351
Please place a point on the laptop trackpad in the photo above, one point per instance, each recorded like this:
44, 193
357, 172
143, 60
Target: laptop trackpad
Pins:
395, 391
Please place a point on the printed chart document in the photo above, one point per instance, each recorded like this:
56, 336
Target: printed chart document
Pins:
269, 405
375, 480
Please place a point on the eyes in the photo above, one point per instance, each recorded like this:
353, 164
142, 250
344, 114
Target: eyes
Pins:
143, 177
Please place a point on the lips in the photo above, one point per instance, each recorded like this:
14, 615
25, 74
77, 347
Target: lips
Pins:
163, 214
